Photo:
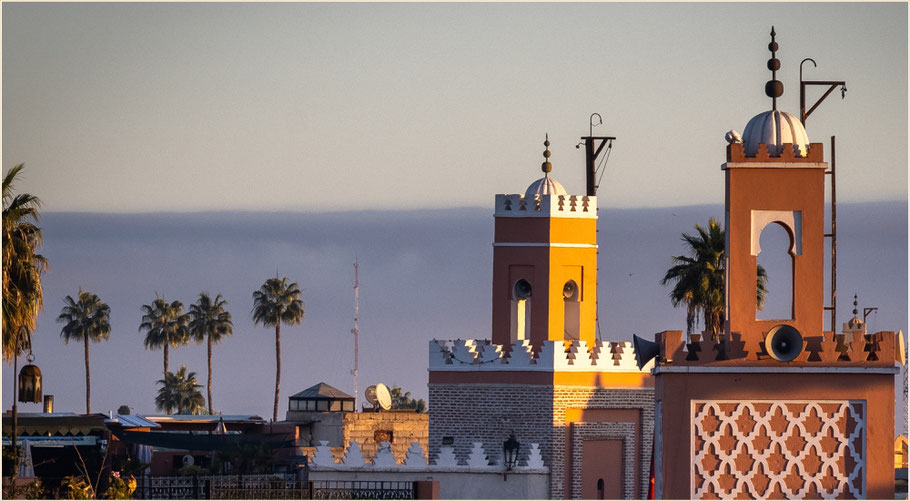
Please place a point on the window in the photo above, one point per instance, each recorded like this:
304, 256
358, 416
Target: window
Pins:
383, 436
347, 406
335, 405
322, 405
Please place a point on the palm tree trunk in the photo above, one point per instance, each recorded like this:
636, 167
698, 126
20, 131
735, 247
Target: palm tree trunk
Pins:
166, 410
209, 386
88, 382
277, 367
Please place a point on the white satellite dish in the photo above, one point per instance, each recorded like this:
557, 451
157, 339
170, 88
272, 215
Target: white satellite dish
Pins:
370, 395
188, 460
383, 396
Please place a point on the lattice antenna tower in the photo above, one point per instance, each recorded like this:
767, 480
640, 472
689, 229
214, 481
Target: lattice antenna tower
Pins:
356, 330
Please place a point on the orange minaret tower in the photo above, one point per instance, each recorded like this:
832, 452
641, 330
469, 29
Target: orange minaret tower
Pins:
544, 264
776, 408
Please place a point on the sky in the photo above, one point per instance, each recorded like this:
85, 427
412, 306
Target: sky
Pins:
181, 148
335, 106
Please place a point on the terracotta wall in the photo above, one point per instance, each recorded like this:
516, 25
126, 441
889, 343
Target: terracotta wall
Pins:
678, 395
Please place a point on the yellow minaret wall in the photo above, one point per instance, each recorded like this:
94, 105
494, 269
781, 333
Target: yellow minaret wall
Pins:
547, 248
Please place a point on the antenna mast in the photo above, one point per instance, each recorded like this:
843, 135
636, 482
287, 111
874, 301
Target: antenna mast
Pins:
355, 329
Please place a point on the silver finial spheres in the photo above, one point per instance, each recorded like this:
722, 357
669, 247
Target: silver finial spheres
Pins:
733, 137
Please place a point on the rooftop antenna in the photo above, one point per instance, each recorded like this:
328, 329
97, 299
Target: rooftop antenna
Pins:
355, 330
594, 146
803, 115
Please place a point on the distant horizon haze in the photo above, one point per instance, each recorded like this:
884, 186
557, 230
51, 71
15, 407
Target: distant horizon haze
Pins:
423, 275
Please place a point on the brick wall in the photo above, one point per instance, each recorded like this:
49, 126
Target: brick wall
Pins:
406, 427
537, 414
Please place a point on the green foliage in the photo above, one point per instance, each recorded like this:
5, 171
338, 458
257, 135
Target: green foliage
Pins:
277, 302
23, 296
85, 319
404, 401
179, 391
120, 488
165, 325
699, 278
123, 409
33, 490
209, 322
75, 487
189, 470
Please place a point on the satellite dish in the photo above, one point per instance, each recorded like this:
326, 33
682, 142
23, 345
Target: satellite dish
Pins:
383, 396
188, 460
370, 395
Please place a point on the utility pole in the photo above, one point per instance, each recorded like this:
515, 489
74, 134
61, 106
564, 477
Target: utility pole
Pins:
355, 329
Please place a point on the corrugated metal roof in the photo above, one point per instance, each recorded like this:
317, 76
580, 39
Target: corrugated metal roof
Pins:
132, 421
323, 390
204, 418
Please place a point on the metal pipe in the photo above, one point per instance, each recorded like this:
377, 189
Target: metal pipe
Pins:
833, 239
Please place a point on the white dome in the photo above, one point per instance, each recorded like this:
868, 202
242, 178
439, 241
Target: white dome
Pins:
545, 186
775, 128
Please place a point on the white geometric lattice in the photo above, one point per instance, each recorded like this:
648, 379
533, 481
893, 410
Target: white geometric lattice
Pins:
778, 449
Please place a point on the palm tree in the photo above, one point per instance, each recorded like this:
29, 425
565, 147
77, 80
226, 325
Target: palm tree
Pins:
699, 279
22, 265
165, 324
210, 322
179, 391
276, 303
86, 319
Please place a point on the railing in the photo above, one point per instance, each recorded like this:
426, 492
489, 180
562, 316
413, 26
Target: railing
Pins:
330, 489
282, 486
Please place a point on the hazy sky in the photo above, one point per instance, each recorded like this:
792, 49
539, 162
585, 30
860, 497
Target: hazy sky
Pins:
164, 107
323, 111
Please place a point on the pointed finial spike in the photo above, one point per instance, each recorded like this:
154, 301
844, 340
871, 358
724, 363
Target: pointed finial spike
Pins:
772, 31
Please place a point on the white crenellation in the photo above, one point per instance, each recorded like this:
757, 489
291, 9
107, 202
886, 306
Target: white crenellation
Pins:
353, 456
415, 456
323, 454
478, 458
600, 354
464, 351
571, 206
490, 352
384, 456
447, 457
416, 461
535, 460
563, 356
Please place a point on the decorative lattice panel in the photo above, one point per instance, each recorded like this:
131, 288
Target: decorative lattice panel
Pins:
771, 449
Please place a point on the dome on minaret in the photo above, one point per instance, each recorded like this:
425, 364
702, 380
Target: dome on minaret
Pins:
775, 128
545, 186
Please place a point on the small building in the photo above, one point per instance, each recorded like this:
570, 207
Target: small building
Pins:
323, 413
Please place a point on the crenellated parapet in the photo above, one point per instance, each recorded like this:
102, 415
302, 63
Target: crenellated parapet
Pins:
569, 206
553, 356
879, 350
481, 458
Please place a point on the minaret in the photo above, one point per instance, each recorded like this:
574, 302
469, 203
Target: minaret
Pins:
783, 379
544, 263
775, 177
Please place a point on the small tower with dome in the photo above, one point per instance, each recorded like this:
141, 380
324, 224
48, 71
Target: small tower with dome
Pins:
775, 176
544, 263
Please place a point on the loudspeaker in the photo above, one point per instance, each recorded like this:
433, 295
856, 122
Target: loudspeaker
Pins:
570, 290
784, 343
522, 289
644, 350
